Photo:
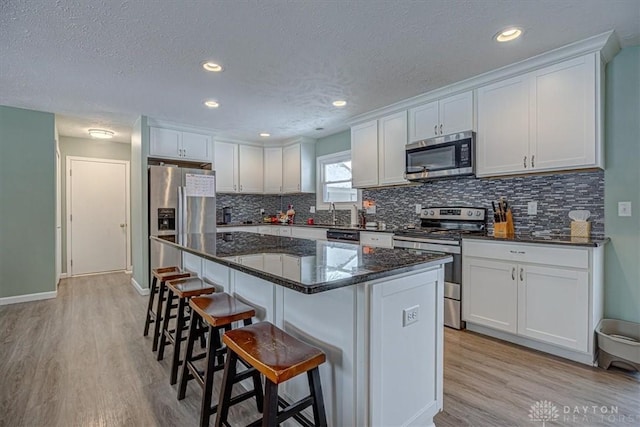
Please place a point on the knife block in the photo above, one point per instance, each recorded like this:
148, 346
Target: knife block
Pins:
504, 230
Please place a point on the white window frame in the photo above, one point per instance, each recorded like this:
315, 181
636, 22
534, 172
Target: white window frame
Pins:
320, 162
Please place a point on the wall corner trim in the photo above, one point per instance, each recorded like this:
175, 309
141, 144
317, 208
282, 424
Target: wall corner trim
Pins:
138, 288
28, 297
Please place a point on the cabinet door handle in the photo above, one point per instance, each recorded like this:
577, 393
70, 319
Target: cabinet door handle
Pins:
513, 273
521, 274
435, 129
184, 152
298, 187
524, 161
532, 157
240, 187
234, 187
440, 128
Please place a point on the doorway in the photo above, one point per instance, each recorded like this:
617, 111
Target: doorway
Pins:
98, 236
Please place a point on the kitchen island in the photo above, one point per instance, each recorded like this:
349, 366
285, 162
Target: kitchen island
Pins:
376, 313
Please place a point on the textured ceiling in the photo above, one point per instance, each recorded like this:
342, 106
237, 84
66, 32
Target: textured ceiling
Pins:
285, 61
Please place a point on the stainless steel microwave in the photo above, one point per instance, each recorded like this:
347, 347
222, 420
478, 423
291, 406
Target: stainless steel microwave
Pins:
442, 157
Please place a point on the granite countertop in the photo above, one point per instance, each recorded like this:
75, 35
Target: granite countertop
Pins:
333, 227
325, 265
591, 242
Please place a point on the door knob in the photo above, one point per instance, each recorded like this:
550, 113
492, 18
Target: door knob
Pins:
123, 225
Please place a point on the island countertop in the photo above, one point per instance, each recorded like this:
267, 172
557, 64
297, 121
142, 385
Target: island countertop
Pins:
330, 265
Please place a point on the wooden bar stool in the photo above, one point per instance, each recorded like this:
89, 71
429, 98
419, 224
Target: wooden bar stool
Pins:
160, 276
217, 311
279, 357
183, 290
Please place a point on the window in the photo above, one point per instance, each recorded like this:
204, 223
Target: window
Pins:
334, 181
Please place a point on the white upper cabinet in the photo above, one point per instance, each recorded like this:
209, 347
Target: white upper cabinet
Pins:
545, 120
442, 117
175, 144
273, 170
564, 125
196, 146
299, 168
226, 167
250, 169
378, 151
392, 139
503, 127
364, 154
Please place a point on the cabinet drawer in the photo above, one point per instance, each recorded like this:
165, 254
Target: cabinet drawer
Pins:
384, 240
529, 253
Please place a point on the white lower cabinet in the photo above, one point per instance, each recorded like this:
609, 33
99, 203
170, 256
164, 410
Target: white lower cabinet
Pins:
490, 294
543, 296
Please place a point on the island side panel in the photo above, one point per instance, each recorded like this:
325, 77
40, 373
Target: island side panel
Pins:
327, 320
406, 345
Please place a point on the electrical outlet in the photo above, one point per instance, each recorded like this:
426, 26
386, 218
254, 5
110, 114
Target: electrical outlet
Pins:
312, 209
624, 208
532, 208
261, 211
410, 315
371, 210
418, 208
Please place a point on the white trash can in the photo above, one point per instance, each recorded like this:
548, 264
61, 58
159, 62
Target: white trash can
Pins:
618, 344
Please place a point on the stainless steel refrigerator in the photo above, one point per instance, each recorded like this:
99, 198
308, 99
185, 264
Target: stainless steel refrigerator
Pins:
181, 201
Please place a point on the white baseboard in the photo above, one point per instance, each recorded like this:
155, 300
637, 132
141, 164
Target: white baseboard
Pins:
27, 298
138, 288
63, 276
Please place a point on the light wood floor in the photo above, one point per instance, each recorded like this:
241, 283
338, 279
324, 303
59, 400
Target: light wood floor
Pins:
81, 360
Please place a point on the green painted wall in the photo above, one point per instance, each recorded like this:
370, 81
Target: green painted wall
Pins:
84, 147
333, 143
139, 208
27, 202
622, 183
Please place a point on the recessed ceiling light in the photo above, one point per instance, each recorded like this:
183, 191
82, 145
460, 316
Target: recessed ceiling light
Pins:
101, 133
211, 104
319, 128
212, 66
339, 103
508, 34
265, 134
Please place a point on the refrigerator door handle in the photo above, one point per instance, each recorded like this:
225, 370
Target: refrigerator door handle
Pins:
180, 209
183, 212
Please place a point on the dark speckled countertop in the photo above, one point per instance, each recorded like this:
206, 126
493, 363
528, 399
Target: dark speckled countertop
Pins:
333, 227
591, 242
325, 265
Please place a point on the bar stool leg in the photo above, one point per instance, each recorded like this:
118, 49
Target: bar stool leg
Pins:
156, 326
207, 391
227, 386
152, 292
270, 414
319, 414
165, 324
178, 341
184, 377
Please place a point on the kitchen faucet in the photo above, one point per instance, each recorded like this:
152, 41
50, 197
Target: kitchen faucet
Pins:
333, 213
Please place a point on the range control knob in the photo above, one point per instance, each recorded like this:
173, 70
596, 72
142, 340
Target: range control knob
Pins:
478, 213
432, 213
470, 213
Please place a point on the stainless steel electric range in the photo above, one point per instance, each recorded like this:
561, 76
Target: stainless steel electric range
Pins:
441, 230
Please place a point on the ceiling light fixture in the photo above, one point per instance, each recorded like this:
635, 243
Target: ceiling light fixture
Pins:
339, 103
265, 134
508, 34
211, 104
101, 133
212, 66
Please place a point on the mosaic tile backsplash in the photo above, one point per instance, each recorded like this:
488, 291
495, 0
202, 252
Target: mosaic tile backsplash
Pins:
556, 194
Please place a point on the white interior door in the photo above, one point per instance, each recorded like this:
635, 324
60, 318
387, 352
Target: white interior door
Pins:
97, 202
58, 171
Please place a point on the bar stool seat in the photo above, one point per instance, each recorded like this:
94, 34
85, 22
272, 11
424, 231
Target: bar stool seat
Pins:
279, 357
182, 289
217, 311
160, 276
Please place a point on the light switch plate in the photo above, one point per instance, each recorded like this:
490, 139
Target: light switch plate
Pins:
418, 208
532, 208
312, 209
624, 208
